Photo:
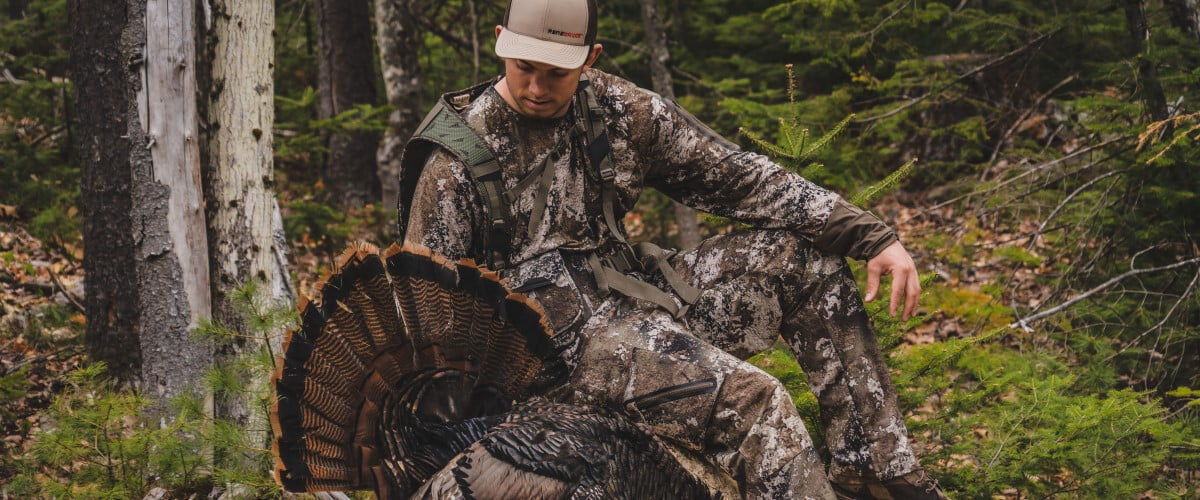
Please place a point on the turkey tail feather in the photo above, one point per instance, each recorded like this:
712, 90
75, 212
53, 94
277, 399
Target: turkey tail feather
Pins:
403, 351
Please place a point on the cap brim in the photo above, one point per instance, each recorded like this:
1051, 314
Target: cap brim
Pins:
513, 45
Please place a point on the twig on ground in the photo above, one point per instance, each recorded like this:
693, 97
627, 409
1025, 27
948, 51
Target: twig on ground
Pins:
1067, 199
1188, 291
1021, 119
1032, 170
70, 296
1023, 323
974, 71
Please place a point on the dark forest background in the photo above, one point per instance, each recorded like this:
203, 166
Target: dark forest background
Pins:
1052, 207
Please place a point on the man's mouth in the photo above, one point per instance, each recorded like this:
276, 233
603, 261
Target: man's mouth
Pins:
537, 104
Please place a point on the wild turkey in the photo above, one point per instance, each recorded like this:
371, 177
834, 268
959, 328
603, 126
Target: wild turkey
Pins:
402, 378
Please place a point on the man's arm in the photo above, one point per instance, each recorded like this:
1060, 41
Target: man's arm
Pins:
446, 209
694, 165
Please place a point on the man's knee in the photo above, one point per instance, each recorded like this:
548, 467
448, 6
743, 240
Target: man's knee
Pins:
750, 396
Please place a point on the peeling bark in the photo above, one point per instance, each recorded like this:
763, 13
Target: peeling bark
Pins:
346, 77
660, 74
145, 248
399, 43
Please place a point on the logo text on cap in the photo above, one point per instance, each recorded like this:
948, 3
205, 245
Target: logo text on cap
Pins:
567, 34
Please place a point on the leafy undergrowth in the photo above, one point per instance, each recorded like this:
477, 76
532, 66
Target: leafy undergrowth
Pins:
1004, 412
40, 335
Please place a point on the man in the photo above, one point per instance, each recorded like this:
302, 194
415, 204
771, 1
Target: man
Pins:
532, 172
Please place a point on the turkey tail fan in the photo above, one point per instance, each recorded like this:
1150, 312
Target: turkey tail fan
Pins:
403, 360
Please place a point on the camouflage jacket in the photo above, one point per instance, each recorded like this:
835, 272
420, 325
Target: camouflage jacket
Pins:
654, 143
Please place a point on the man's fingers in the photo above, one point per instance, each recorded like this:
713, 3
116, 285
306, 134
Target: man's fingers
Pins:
872, 282
912, 300
897, 291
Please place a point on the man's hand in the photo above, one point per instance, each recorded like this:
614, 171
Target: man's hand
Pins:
895, 260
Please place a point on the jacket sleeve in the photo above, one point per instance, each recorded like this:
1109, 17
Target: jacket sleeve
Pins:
445, 209
697, 167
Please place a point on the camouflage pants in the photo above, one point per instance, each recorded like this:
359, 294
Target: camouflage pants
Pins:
760, 284
687, 378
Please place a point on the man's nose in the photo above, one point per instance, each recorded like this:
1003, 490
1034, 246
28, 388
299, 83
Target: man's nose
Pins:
538, 86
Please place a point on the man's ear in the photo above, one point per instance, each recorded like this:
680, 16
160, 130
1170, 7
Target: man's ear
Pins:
591, 60
498, 30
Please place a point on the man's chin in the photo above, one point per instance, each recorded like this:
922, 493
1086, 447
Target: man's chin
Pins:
540, 112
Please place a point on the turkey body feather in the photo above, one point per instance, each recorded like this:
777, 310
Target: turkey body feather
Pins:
413, 376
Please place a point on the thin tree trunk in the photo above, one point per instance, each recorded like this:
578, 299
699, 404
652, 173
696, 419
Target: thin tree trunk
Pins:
399, 47
16, 8
145, 249
241, 209
1185, 15
1151, 90
346, 77
660, 74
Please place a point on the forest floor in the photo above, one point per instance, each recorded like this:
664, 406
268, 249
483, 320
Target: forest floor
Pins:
41, 321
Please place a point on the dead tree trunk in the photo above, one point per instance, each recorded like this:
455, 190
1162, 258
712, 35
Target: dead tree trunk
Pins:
16, 8
1185, 15
346, 77
660, 74
238, 94
145, 249
399, 45
1150, 90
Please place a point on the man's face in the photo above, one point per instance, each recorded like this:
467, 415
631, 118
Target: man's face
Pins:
540, 90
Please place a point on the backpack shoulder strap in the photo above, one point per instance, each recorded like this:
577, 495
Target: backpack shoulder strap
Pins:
599, 152
444, 128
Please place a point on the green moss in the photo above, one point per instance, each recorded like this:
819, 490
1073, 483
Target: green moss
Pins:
1017, 255
779, 363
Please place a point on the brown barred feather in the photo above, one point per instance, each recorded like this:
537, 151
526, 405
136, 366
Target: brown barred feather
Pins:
321, 403
398, 336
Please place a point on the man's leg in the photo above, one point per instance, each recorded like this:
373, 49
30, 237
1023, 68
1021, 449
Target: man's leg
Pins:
759, 284
698, 397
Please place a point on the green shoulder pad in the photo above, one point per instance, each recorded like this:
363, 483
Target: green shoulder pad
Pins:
445, 127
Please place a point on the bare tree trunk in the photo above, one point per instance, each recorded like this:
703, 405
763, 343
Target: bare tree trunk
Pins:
1185, 15
1151, 89
399, 48
346, 77
241, 209
16, 8
660, 73
145, 249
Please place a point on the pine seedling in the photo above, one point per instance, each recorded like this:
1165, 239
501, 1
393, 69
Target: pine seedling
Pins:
795, 149
872, 193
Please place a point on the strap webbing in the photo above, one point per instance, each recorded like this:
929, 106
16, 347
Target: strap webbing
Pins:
608, 279
626, 258
655, 256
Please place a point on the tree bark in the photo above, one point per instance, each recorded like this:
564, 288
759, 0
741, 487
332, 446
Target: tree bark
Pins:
346, 77
16, 8
1185, 15
1151, 90
145, 249
238, 96
660, 74
399, 47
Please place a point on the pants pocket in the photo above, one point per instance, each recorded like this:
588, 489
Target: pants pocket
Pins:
675, 397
